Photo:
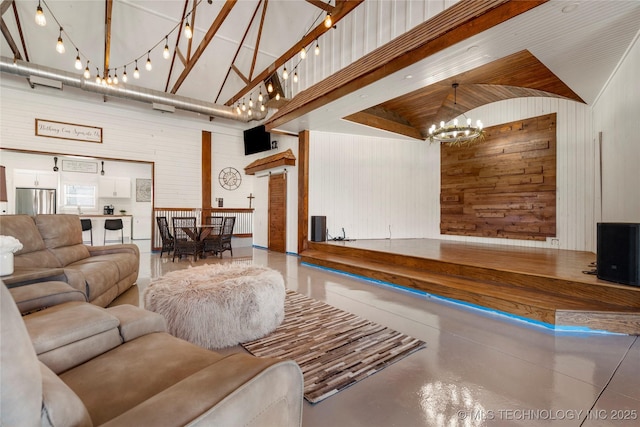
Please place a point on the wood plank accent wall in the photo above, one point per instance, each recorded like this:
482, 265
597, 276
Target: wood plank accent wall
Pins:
504, 187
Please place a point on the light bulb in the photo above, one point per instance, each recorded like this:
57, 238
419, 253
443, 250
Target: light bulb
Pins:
295, 77
270, 87
327, 21
124, 75
455, 122
115, 77
40, 18
317, 49
60, 45
78, 62
250, 102
109, 79
244, 107
148, 64
238, 109
187, 31
261, 107
165, 53
260, 97
249, 112
278, 96
136, 72
104, 82
98, 79
285, 73
87, 73
303, 53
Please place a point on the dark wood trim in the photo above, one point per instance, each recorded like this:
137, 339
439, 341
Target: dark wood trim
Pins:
206, 169
303, 191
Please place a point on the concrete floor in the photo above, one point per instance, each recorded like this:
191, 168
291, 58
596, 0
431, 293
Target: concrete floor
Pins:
478, 368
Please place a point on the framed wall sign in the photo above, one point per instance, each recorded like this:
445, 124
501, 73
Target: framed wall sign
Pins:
74, 132
79, 166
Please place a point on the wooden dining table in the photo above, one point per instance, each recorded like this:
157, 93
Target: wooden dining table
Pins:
201, 232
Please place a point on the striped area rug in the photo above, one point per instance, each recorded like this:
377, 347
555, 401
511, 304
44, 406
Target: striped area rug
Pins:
334, 349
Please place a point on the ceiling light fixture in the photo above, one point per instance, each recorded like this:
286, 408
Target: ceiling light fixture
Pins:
187, 31
165, 53
136, 72
40, 18
60, 45
78, 62
87, 73
453, 134
148, 64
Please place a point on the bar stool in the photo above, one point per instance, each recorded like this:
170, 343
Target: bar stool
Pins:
86, 226
113, 224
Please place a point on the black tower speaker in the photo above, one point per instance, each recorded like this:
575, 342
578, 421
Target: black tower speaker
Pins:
618, 256
318, 228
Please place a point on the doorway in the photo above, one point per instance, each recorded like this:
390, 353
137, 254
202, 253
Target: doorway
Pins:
278, 212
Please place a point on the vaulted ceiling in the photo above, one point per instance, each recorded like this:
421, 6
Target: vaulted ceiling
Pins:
494, 49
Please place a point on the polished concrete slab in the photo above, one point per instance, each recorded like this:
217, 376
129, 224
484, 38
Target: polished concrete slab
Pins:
478, 368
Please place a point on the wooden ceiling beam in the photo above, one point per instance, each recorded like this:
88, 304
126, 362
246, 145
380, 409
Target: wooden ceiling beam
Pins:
108, 9
322, 5
258, 38
456, 23
176, 48
20, 33
4, 6
373, 120
342, 9
213, 29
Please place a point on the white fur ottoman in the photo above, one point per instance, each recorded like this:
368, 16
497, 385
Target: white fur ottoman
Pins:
220, 305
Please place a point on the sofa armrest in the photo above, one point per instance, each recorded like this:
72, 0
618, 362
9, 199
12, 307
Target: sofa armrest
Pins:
114, 249
25, 275
237, 390
136, 321
37, 296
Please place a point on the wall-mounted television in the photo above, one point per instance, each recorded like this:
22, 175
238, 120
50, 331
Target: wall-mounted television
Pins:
256, 139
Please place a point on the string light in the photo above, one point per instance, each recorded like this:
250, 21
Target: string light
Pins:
303, 53
165, 53
249, 112
87, 73
187, 31
269, 87
261, 107
97, 76
148, 64
327, 21
278, 96
40, 18
238, 108
136, 72
317, 49
109, 79
244, 107
124, 75
115, 77
285, 73
250, 101
295, 77
78, 62
60, 45
260, 97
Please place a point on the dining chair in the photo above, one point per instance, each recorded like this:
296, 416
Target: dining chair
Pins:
165, 235
225, 236
184, 244
212, 241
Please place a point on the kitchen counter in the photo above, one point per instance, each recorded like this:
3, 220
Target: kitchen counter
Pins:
104, 216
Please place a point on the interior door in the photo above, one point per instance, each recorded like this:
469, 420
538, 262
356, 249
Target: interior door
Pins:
278, 212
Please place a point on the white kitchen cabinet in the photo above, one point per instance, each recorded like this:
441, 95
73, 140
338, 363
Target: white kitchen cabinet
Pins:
115, 187
23, 178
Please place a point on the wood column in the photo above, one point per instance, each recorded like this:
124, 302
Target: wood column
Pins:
303, 191
206, 169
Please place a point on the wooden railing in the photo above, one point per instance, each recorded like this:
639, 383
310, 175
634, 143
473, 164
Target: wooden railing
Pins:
243, 226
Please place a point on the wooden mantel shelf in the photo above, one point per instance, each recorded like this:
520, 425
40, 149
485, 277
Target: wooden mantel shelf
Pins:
285, 158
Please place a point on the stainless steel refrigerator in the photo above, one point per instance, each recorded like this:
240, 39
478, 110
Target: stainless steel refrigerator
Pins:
33, 201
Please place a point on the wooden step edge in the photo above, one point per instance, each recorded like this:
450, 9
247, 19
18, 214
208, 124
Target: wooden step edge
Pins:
522, 308
519, 294
618, 322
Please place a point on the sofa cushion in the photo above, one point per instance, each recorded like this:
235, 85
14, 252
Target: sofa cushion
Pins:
62, 235
33, 252
100, 277
37, 296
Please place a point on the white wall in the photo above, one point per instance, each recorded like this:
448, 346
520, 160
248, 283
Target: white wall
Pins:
380, 188
616, 114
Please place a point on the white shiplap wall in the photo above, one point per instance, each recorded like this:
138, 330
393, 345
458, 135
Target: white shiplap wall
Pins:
380, 188
616, 113
131, 131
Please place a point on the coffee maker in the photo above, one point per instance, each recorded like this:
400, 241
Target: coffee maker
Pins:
108, 210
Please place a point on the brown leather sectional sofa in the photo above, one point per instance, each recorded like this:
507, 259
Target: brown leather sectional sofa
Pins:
53, 251
77, 364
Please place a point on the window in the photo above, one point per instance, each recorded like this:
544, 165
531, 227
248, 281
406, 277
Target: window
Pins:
78, 195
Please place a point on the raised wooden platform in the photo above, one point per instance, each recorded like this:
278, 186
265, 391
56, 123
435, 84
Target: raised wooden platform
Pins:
544, 285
